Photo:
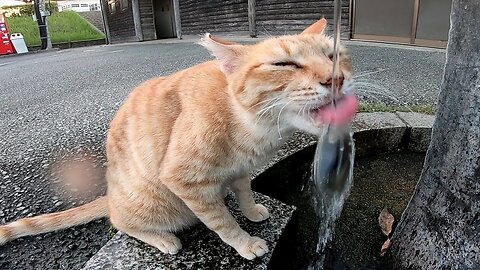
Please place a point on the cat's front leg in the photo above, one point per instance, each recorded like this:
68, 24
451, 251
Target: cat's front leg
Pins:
205, 200
243, 193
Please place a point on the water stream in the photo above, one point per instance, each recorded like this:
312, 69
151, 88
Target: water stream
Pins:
332, 176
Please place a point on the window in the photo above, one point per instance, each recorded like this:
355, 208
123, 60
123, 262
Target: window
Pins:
94, 7
84, 5
75, 5
124, 4
112, 6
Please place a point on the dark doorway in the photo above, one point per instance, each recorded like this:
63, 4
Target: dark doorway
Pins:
164, 18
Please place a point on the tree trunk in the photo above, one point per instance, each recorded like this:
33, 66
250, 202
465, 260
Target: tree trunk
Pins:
440, 229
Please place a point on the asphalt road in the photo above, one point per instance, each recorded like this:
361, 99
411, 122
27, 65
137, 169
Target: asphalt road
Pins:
57, 103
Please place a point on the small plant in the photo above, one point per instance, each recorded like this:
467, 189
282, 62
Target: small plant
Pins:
380, 107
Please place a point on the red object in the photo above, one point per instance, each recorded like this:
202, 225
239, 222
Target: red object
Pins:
6, 46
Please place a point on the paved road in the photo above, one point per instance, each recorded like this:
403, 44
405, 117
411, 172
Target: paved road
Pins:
57, 103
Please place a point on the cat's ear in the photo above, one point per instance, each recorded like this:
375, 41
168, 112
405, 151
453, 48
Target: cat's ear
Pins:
228, 54
317, 28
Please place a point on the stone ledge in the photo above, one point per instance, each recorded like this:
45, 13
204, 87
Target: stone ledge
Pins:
377, 132
420, 130
202, 248
380, 130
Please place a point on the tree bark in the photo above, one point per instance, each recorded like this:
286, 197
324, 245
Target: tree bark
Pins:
440, 229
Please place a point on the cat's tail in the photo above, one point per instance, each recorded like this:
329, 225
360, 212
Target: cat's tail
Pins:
54, 221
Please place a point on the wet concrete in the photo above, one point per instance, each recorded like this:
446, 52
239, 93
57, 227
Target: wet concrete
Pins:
386, 180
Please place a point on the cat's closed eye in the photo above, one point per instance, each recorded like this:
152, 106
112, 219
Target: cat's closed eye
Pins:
287, 63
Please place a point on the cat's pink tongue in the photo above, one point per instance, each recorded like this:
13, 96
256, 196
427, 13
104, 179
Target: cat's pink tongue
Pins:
342, 113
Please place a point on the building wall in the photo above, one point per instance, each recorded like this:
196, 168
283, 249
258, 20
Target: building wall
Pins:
277, 17
79, 5
147, 19
273, 17
119, 16
215, 16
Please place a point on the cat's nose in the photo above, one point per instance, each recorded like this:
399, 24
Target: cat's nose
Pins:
338, 82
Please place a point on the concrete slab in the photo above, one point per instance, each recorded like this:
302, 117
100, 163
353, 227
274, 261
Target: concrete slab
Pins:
202, 248
378, 132
420, 130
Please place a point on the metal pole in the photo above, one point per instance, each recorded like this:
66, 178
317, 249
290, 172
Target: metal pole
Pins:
413, 35
49, 40
41, 24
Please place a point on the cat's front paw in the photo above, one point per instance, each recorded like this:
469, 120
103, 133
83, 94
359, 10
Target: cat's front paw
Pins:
257, 213
255, 247
168, 244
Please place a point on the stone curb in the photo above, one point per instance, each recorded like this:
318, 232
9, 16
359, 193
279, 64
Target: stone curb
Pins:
34, 51
202, 248
59, 46
373, 133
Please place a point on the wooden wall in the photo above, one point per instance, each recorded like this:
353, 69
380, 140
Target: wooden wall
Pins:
120, 22
147, 19
273, 17
277, 17
215, 16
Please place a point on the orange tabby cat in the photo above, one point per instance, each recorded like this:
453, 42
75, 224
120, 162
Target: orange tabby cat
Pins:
180, 141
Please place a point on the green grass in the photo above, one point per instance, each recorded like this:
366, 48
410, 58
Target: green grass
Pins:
27, 27
63, 27
378, 107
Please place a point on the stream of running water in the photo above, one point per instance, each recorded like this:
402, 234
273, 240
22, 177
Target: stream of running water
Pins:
332, 176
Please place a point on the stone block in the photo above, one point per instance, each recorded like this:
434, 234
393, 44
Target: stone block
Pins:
420, 127
202, 248
378, 132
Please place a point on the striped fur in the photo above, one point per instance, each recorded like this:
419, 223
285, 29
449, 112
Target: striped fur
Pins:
179, 142
55, 221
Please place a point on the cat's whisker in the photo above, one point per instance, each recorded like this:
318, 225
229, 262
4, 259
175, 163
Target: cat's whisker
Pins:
368, 86
268, 101
266, 31
278, 120
391, 97
303, 109
375, 90
366, 73
267, 109
370, 96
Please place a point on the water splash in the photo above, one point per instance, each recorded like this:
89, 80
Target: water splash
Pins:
333, 164
332, 181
